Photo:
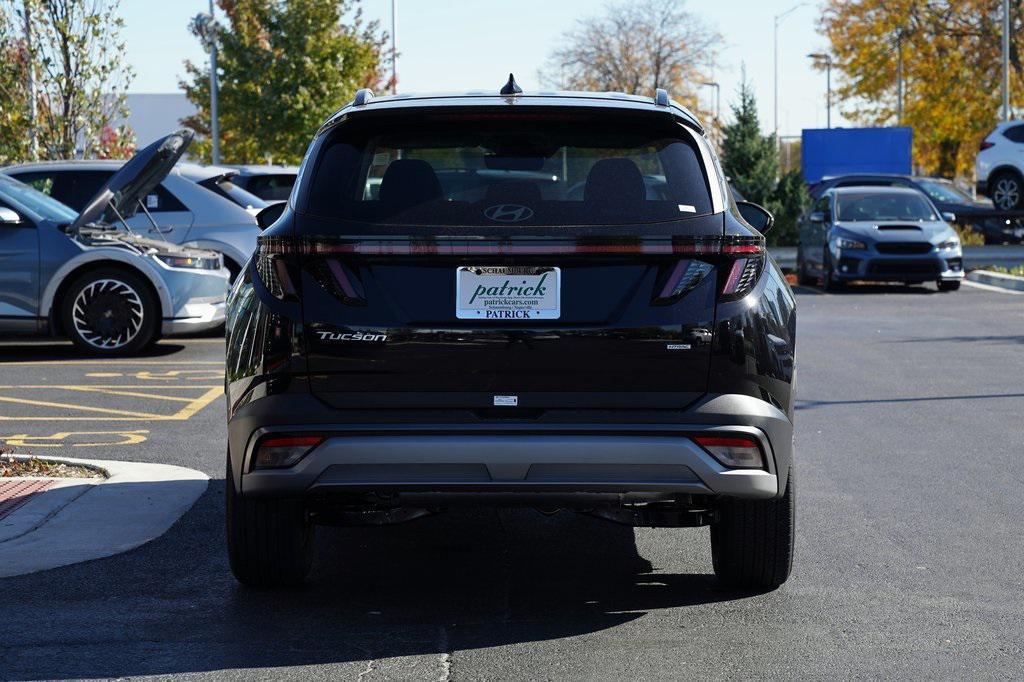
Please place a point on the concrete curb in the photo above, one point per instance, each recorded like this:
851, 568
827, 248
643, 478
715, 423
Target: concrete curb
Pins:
997, 279
138, 502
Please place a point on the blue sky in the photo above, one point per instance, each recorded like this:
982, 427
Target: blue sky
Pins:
466, 44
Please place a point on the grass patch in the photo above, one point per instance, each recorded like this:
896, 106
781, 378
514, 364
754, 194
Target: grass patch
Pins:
10, 467
1017, 270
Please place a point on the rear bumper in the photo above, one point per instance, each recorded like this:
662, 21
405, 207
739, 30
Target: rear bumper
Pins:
524, 459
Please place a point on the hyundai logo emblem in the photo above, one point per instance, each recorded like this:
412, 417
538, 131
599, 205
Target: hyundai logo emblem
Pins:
508, 213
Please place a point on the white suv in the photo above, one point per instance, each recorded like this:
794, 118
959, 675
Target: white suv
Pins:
999, 166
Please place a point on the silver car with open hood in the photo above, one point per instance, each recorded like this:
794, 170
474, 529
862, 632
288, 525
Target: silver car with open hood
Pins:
90, 278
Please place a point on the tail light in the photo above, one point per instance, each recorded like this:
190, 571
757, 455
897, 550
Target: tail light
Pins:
743, 260
684, 277
277, 452
735, 451
274, 267
985, 144
339, 279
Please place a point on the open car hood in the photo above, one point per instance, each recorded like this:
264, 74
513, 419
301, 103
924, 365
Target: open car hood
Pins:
136, 178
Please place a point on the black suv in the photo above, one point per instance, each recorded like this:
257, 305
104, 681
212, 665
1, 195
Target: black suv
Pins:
437, 319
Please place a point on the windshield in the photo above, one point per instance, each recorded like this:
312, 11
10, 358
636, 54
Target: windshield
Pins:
35, 201
941, 191
223, 186
522, 170
888, 206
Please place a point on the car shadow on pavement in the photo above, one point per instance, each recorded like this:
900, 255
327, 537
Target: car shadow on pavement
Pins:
869, 289
462, 580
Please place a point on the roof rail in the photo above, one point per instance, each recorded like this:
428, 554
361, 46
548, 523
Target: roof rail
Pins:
661, 97
362, 97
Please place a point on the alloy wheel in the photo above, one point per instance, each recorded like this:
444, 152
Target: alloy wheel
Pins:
108, 314
1006, 194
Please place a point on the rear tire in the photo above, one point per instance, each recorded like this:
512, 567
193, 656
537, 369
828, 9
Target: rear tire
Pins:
948, 286
752, 540
110, 312
270, 540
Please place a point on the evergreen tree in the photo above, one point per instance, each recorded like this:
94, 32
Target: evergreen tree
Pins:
749, 159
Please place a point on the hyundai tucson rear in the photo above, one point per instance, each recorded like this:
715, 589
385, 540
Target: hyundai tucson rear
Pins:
440, 318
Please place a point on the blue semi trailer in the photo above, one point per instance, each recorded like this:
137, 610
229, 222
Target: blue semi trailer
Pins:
839, 151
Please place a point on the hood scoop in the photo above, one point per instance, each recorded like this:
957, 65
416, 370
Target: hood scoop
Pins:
900, 228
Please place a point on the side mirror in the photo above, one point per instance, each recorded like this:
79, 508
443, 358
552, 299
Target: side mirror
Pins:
270, 214
756, 216
9, 217
949, 217
817, 217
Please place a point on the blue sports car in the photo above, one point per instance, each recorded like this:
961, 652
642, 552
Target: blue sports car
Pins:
878, 234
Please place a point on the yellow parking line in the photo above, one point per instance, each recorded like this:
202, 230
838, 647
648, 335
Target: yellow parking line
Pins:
133, 394
34, 363
199, 403
83, 408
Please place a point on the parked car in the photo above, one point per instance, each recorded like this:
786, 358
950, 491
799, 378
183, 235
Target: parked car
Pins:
177, 210
999, 167
996, 225
878, 234
110, 292
220, 180
618, 355
270, 183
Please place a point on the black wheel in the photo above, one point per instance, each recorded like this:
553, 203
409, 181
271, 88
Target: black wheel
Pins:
110, 312
270, 540
752, 540
802, 277
1007, 191
948, 286
828, 280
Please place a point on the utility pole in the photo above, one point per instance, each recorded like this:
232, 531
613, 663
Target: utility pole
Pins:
1006, 60
775, 86
394, 49
33, 138
899, 77
214, 121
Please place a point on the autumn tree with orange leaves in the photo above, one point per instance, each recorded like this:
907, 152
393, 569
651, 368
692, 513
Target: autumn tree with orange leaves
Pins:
951, 70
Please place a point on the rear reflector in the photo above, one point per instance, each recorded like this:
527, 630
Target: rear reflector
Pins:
739, 452
276, 452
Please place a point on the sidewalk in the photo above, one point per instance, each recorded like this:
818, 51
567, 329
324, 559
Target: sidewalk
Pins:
57, 522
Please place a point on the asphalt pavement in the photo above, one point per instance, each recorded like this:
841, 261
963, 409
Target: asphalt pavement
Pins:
909, 549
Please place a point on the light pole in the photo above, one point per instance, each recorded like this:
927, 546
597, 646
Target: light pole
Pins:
827, 58
207, 31
1006, 60
775, 46
718, 108
33, 139
899, 77
394, 49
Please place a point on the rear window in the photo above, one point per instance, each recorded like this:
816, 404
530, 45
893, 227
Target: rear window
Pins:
495, 171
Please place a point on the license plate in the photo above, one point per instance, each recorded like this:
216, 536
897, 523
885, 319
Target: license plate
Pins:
508, 293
